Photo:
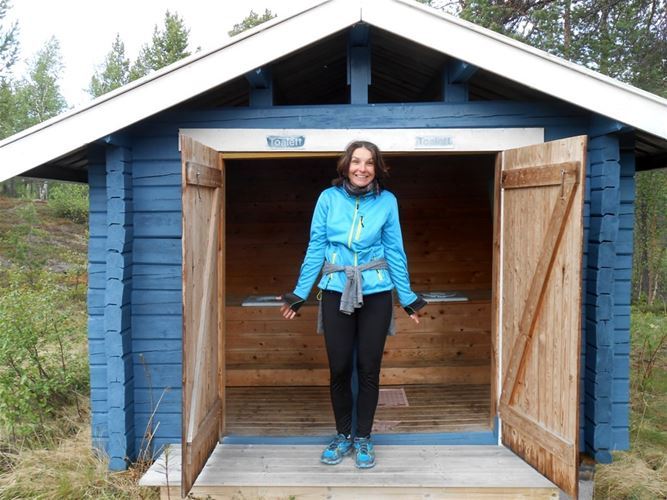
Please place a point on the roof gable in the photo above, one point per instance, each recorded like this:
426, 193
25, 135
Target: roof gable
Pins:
270, 41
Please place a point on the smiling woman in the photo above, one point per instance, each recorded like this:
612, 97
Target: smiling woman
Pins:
361, 171
363, 263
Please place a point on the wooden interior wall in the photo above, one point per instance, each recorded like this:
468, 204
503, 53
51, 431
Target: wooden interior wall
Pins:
446, 218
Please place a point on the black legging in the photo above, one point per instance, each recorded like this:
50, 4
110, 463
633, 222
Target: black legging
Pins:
369, 325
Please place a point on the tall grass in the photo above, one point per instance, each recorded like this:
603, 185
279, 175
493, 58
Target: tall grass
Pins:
641, 472
66, 467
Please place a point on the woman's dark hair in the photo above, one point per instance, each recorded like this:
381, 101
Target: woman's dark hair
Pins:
343, 165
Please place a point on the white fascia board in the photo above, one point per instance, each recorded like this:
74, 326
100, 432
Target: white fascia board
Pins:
171, 85
388, 140
521, 63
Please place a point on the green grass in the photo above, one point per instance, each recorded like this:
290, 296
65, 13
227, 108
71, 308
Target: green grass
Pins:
65, 467
641, 472
44, 241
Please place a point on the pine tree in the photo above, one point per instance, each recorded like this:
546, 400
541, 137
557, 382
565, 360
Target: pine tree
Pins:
625, 40
167, 46
250, 21
114, 73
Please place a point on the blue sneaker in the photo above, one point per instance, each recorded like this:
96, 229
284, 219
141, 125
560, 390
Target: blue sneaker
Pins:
365, 458
337, 449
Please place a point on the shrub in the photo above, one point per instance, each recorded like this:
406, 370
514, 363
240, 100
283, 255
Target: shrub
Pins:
69, 201
38, 375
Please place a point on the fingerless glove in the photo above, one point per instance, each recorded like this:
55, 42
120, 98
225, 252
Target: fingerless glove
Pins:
415, 306
293, 301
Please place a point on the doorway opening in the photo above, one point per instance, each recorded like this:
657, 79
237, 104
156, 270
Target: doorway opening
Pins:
436, 376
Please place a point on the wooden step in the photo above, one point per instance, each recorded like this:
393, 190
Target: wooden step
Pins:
405, 472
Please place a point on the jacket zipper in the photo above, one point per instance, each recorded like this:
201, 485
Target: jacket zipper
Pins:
349, 240
359, 227
354, 220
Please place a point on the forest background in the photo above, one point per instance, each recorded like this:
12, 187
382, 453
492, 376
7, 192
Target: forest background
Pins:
43, 233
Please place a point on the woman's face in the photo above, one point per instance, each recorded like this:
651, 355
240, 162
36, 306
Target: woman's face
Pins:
362, 168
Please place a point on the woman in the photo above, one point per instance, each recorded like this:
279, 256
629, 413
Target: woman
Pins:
355, 233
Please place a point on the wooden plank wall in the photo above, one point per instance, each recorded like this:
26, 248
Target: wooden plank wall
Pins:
445, 210
446, 218
620, 413
156, 291
607, 300
117, 307
96, 286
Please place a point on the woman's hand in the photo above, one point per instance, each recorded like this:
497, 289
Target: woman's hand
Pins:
413, 308
285, 310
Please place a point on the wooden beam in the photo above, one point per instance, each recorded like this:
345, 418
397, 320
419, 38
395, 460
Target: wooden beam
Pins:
494, 114
454, 83
261, 87
496, 291
549, 175
533, 430
56, 172
221, 297
460, 71
117, 324
201, 175
359, 63
259, 78
652, 162
601, 125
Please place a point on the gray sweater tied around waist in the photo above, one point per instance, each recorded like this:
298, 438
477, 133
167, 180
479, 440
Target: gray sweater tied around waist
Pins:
352, 297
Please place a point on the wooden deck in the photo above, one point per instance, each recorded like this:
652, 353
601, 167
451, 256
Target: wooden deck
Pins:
405, 472
306, 411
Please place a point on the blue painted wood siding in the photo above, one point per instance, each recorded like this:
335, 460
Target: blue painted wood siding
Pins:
607, 297
156, 294
96, 292
156, 317
117, 307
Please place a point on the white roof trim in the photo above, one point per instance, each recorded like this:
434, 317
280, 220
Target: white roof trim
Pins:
171, 85
254, 140
274, 39
524, 64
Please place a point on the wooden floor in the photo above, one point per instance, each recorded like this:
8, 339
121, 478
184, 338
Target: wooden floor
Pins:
306, 411
405, 472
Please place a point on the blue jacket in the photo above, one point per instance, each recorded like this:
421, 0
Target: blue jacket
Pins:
348, 230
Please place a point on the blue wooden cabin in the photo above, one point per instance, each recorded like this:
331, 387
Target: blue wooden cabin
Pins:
264, 116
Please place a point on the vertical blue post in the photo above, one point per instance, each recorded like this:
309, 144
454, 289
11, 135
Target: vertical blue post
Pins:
96, 291
261, 87
620, 417
117, 307
604, 159
455, 76
359, 63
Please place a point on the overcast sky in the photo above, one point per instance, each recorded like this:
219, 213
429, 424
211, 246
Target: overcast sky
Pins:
86, 28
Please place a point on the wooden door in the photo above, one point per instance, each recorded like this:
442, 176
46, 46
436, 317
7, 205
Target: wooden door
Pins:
540, 284
203, 306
